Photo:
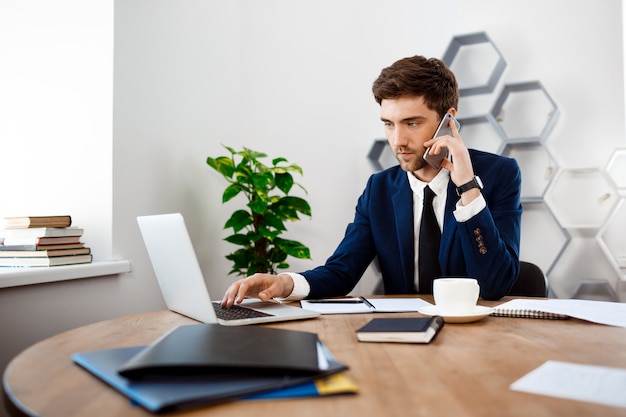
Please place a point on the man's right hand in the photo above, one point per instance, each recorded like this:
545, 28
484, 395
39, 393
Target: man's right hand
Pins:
263, 286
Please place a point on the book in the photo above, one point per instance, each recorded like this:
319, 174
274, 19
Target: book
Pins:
42, 247
43, 253
184, 392
25, 222
38, 241
200, 348
401, 330
41, 232
528, 309
45, 261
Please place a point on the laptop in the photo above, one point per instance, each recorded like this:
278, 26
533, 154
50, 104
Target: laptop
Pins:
182, 284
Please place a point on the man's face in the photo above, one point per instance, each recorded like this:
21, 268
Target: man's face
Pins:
408, 124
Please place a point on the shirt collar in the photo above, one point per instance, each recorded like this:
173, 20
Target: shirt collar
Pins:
439, 184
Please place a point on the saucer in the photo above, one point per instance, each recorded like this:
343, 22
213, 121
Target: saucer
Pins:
479, 312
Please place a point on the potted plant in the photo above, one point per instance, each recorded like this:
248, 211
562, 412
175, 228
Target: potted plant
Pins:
257, 229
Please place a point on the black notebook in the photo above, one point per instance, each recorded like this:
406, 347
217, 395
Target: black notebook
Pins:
401, 330
200, 349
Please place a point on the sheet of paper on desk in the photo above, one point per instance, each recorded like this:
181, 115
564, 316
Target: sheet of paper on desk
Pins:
364, 305
338, 306
602, 312
398, 305
597, 384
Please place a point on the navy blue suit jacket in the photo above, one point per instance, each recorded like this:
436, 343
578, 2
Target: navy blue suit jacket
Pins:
485, 247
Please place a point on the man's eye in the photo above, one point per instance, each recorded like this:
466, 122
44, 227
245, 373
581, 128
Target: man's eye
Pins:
413, 124
387, 124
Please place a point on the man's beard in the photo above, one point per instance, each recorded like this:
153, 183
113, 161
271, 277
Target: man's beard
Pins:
413, 162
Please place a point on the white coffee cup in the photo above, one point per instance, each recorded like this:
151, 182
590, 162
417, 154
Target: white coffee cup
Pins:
455, 296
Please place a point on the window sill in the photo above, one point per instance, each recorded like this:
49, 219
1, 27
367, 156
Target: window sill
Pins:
15, 277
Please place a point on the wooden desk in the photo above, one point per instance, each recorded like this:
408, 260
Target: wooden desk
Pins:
465, 372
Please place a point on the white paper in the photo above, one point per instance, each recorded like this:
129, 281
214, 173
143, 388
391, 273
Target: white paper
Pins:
380, 305
602, 312
397, 305
597, 384
335, 307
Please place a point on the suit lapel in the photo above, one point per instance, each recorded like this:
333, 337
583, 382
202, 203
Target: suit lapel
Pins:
402, 201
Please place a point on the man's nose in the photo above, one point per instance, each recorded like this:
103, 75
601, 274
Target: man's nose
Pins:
398, 138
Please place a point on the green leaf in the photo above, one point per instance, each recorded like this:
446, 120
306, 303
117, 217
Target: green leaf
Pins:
284, 182
293, 248
263, 181
254, 154
298, 204
240, 261
223, 165
271, 220
285, 212
278, 160
238, 239
288, 207
276, 255
294, 168
268, 234
231, 191
243, 174
238, 220
258, 206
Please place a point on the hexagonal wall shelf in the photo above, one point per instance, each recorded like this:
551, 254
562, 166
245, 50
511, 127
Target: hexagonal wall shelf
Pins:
616, 168
612, 238
543, 240
525, 112
537, 165
381, 156
476, 62
480, 132
581, 198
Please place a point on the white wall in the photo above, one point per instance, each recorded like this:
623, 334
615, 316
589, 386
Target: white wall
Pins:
56, 113
291, 78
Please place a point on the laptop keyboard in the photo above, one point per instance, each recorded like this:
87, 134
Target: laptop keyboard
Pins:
237, 312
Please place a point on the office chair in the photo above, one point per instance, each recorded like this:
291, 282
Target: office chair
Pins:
531, 281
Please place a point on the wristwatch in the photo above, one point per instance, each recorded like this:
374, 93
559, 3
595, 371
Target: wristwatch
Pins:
474, 183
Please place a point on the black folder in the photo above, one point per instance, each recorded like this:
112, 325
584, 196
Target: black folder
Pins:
204, 349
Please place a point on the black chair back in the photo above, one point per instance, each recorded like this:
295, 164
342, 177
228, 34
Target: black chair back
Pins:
531, 282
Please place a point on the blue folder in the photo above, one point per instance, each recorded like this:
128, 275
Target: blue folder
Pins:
182, 392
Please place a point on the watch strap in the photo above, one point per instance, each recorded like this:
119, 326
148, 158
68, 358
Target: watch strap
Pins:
474, 183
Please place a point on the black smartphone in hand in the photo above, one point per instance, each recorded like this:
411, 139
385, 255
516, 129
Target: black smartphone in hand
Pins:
443, 129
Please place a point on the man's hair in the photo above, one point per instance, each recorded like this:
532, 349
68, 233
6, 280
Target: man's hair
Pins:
419, 76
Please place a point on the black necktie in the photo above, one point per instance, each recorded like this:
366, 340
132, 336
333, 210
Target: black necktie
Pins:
430, 236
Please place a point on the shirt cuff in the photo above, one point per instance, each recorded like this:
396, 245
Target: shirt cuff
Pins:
464, 213
301, 287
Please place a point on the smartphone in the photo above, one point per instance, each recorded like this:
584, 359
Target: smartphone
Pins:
443, 129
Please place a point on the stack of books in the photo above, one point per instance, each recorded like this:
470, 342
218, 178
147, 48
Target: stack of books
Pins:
41, 241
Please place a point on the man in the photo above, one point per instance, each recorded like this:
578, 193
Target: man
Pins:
479, 220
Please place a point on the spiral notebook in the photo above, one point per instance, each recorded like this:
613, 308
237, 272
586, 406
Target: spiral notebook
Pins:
525, 309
